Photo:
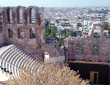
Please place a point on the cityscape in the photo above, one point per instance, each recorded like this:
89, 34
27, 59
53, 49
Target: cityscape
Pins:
55, 43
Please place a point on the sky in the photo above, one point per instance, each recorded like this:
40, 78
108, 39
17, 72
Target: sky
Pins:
55, 3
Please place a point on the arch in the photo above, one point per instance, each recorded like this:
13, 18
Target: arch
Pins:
20, 33
10, 33
95, 49
32, 15
79, 48
32, 33
9, 15
20, 15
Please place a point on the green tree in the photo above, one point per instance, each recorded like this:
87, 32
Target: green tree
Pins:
50, 31
73, 33
63, 33
57, 21
105, 25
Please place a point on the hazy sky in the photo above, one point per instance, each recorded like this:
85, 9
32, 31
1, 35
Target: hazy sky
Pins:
55, 3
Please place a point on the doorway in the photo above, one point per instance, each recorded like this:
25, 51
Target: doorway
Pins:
94, 77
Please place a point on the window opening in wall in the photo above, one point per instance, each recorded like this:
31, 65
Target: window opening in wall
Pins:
20, 33
79, 48
33, 15
20, 15
32, 33
9, 16
95, 49
10, 33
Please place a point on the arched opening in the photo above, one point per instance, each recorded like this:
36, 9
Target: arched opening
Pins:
9, 16
95, 49
79, 48
33, 15
20, 15
32, 33
20, 33
10, 33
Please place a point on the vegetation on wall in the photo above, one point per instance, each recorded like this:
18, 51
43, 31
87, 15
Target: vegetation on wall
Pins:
33, 35
79, 47
95, 48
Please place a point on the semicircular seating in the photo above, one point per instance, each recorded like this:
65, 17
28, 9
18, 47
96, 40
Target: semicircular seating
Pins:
12, 58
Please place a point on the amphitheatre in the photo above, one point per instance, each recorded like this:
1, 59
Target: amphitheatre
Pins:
21, 39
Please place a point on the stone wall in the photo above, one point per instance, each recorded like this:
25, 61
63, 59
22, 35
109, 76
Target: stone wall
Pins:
35, 46
1, 40
87, 43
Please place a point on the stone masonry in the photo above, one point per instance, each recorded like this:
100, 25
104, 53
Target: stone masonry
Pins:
87, 43
24, 27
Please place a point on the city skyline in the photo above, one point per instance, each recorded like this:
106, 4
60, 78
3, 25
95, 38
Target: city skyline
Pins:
55, 3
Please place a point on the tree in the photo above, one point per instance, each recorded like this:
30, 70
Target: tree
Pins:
105, 25
50, 31
63, 33
73, 33
48, 74
57, 21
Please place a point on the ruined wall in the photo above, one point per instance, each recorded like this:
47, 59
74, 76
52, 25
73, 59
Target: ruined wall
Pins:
31, 45
87, 43
2, 40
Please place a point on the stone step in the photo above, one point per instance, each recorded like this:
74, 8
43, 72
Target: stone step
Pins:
14, 57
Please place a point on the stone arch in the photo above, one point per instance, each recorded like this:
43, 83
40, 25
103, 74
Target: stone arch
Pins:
9, 15
95, 49
20, 33
32, 15
79, 48
21, 15
32, 33
10, 33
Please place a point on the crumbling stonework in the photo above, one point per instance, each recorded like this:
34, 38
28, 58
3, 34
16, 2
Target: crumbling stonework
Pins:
1, 40
87, 43
24, 27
